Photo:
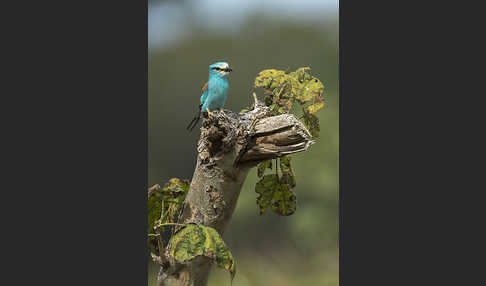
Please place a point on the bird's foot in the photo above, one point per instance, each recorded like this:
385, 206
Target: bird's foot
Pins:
209, 113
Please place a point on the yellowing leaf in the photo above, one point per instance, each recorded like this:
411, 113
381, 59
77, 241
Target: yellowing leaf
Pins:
197, 240
310, 90
269, 78
301, 74
313, 108
283, 88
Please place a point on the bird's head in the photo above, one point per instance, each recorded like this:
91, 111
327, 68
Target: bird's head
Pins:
220, 69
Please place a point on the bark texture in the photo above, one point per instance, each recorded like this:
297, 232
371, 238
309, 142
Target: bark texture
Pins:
229, 146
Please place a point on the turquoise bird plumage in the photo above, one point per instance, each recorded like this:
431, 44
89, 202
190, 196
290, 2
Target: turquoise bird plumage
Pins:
214, 92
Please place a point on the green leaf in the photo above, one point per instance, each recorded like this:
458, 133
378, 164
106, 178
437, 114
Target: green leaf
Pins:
154, 206
265, 188
312, 123
197, 240
262, 166
275, 194
174, 193
154, 209
288, 176
284, 200
163, 207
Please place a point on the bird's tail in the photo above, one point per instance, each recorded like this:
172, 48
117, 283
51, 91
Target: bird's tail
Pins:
195, 120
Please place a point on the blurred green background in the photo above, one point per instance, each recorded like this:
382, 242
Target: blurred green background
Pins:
184, 38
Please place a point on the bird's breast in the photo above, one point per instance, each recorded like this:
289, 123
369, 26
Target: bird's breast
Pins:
218, 92
219, 87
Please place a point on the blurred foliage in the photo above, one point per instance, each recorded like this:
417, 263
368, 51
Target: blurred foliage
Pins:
270, 249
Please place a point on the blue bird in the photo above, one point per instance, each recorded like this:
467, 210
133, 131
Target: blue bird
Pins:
214, 92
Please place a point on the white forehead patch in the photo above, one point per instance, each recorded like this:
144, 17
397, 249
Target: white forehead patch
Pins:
223, 66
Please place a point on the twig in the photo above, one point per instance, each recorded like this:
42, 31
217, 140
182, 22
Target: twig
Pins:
170, 224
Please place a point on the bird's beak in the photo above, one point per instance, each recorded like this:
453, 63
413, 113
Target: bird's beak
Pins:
229, 70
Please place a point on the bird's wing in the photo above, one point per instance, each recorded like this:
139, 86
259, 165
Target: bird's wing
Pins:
205, 93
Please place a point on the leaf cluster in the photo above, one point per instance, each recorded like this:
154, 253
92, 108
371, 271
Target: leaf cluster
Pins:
275, 191
282, 89
164, 205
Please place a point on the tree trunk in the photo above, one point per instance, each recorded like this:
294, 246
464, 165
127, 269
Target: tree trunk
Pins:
229, 146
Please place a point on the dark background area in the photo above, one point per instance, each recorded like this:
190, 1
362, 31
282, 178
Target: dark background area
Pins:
184, 38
